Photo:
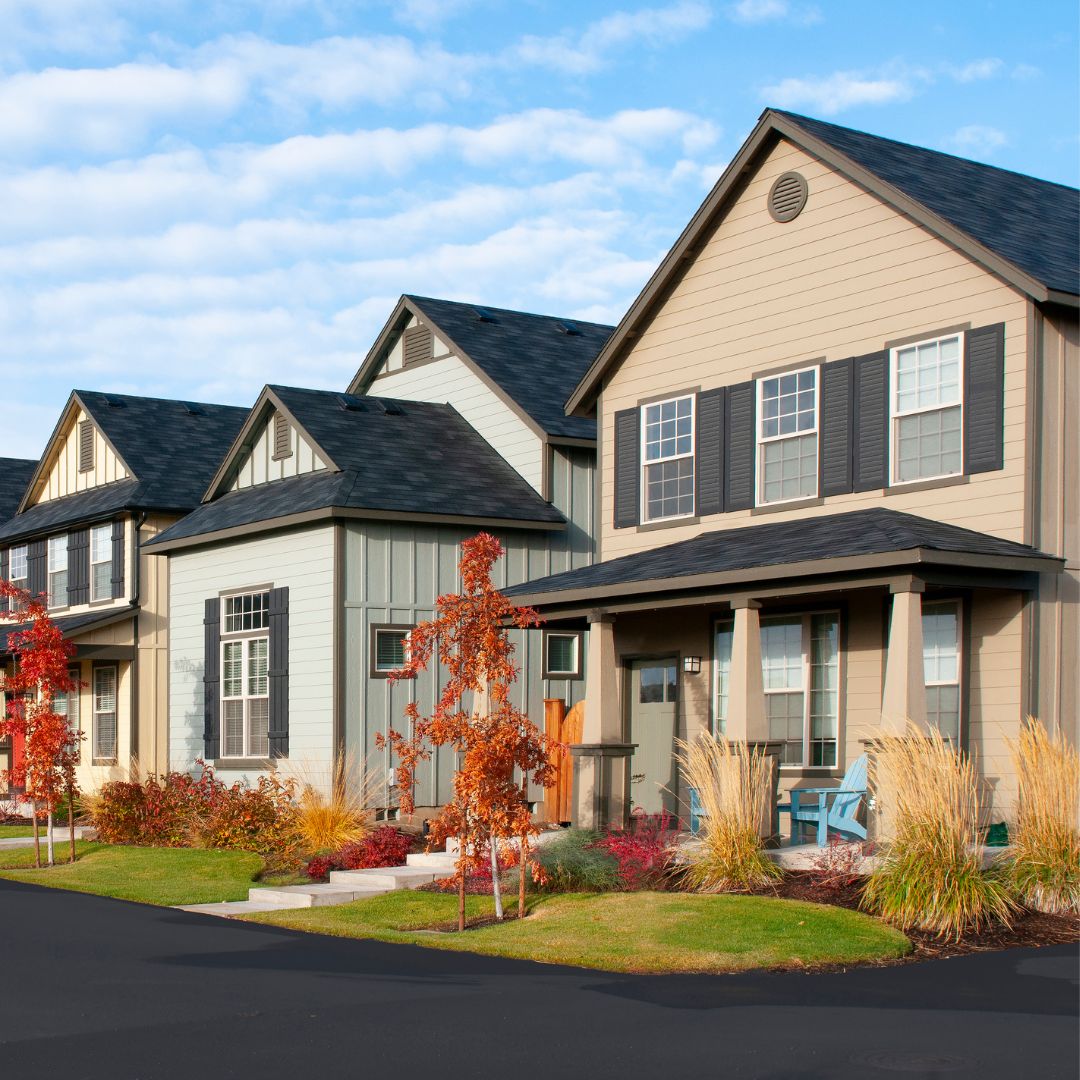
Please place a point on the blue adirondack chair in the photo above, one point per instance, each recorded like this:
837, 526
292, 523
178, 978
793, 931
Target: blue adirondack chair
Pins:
832, 808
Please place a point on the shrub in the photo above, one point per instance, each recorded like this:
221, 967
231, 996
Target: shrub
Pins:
642, 853
385, 846
930, 873
262, 819
837, 866
575, 863
735, 789
1043, 867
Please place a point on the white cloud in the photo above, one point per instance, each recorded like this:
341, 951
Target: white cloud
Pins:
975, 70
977, 139
834, 93
1023, 72
761, 11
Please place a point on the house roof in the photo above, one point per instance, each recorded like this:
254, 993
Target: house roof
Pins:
534, 360
814, 545
404, 460
71, 625
15, 475
1024, 230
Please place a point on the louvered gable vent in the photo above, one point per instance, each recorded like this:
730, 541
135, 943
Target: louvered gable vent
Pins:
282, 441
419, 345
787, 197
86, 446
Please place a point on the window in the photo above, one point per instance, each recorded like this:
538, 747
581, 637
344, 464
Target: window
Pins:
659, 682
19, 566
562, 655
105, 714
245, 676
389, 648
101, 562
86, 446
67, 705
58, 571
800, 661
787, 437
926, 405
282, 438
668, 454
725, 631
941, 666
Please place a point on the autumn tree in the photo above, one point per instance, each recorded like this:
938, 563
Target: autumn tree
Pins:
46, 768
498, 747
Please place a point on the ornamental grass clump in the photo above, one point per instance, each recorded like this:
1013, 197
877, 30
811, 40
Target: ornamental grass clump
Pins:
734, 784
1043, 866
334, 807
930, 876
575, 862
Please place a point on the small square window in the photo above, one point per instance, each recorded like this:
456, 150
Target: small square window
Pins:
562, 655
389, 649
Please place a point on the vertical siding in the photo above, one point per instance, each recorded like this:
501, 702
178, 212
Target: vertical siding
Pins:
259, 467
153, 652
63, 476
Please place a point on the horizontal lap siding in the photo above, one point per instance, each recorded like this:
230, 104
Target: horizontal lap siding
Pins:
843, 278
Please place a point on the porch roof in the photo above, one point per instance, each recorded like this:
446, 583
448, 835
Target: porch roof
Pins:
859, 541
73, 625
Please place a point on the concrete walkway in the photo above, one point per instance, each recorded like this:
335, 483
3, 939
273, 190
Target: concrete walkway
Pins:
82, 832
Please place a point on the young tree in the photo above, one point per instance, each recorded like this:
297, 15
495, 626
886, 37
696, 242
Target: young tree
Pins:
498, 747
46, 767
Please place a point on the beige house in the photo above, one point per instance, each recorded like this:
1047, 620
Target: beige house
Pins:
117, 471
839, 440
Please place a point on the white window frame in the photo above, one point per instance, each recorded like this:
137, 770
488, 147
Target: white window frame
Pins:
245, 639
70, 698
96, 713
895, 414
646, 463
107, 529
51, 571
719, 716
555, 673
952, 601
25, 579
761, 441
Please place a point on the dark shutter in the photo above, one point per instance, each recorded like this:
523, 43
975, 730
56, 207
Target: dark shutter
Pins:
212, 680
117, 559
627, 468
739, 447
871, 422
4, 575
836, 420
710, 452
79, 567
984, 399
279, 672
37, 567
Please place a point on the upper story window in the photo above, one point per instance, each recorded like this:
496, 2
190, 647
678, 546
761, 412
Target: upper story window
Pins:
788, 436
246, 611
926, 405
19, 566
58, 571
101, 562
245, 676
668, 457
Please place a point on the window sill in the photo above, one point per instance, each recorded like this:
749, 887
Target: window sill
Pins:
779, 507
104, 762
927, 485
244, 763
668, 523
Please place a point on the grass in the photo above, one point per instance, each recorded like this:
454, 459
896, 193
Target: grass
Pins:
10, 832
631, 932
165, 876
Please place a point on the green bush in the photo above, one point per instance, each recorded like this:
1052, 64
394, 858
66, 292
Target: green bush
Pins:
573, 863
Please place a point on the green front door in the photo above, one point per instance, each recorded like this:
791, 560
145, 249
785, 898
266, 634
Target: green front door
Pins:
653, 719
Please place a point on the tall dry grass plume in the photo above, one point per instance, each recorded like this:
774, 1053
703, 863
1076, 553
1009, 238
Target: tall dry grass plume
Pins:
734, 783
930, 873
336, 803
1044, 864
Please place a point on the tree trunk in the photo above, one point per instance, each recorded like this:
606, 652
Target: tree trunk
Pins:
523, 858
496, 885
50, 847
71, 819
37, 834
461, 883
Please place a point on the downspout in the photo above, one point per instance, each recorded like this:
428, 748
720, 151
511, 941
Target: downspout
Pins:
136, 573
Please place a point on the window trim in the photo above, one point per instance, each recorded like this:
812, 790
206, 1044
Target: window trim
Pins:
643, 509
895, 414
108, 528
961, 659
761, 441
49, 571
550, 673
374, 671
94, 712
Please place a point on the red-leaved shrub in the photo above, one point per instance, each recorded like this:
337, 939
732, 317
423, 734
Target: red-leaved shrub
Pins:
643, 852
384, 846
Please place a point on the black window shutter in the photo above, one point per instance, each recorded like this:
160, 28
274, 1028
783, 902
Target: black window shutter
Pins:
984, 399
627, 468
78, 567
739, 447
212, 680
837, 413
36, 567
4, 575
871, 422
278, 670
117, 559
710, 452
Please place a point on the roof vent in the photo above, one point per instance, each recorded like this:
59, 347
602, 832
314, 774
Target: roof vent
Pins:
390, 408
568, 328
787, 196
114, 402
351, 403
192, 408
484, 315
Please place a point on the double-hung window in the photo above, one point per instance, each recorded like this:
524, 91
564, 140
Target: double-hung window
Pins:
667, 431
926, 406
787, 433
941, 666
58, 571
245, 675
19, 566
105, 697
66, 704
722, 640
101, 562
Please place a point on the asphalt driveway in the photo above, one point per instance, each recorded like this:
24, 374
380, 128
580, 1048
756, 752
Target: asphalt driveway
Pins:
103, 988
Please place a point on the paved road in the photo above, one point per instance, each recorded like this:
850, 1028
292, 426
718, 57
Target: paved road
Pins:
101, 988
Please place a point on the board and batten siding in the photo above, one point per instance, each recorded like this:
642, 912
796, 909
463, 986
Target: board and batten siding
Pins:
846, 276
64, 478
259, 465
302, 560
447, 380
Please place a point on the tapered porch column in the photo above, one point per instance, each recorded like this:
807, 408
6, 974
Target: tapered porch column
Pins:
603, 721
746, 689
904, 695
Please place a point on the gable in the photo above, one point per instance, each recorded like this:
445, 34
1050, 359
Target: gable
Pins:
64, 473
277, 450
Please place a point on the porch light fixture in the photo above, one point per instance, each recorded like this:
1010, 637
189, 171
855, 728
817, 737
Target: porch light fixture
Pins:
692, 665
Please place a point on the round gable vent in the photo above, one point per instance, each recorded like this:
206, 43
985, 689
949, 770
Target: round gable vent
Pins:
787, 196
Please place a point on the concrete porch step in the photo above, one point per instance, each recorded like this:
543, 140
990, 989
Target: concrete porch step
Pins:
385, 879
315, 895
434, 860
230, 908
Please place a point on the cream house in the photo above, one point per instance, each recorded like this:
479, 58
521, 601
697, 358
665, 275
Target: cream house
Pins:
839, 470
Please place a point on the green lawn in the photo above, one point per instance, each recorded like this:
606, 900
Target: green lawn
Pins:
166, 876
634, 932
9, 832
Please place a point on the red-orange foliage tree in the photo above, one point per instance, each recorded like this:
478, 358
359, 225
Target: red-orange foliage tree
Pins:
499, 748
46, 769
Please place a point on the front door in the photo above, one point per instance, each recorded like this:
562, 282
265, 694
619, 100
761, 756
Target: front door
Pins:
653, 718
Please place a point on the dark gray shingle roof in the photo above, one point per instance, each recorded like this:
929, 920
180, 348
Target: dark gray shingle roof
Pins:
859, 532
404, 456
72, 624
15, 475
1035, 224
531, 357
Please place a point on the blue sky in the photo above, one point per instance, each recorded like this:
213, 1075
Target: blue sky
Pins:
199, 198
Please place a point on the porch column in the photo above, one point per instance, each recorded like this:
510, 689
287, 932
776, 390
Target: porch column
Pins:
904, 694
603, 722
746, 689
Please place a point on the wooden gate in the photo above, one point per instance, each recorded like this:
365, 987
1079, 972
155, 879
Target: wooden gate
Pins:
562, 726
